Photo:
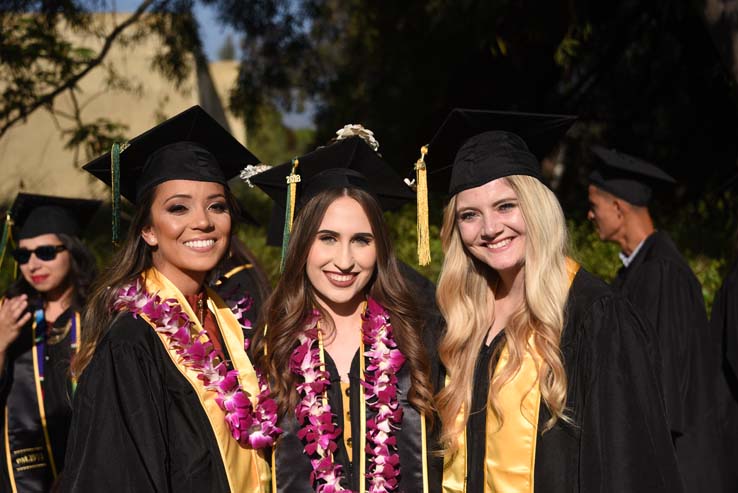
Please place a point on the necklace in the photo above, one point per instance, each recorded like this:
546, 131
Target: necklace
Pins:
318, 428
251, 426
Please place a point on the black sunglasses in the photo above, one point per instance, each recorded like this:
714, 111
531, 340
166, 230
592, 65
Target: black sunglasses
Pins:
43, 252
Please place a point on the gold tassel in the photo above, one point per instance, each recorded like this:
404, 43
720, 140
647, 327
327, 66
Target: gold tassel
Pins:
421, 182
289, 214
7, 237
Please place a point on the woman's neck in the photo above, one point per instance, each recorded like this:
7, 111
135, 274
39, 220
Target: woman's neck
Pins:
57, 301
507, 296
345, 339
188, 283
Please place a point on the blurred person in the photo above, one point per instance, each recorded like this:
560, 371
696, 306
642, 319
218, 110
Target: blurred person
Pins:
168, 399
39, 334
551, 379
656, 278
724, 327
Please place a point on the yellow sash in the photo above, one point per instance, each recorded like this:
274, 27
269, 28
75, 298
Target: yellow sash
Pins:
510, 450
246, 469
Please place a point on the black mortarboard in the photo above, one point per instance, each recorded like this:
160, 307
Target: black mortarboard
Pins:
35, 215
349, 162
473, 147
189, 146
626, 176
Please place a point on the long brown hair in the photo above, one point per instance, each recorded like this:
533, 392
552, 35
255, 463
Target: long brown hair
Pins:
294, 298
132, 258
464, 290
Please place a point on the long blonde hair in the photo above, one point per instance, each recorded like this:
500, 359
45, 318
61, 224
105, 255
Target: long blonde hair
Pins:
466, 284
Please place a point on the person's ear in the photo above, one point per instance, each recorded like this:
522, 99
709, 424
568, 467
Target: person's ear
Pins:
149, 236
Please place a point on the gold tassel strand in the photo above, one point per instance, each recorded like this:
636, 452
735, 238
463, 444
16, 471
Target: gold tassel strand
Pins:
289, 214
421, 182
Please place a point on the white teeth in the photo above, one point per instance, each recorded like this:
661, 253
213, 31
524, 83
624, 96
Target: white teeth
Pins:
339, 277
199, 243
499, 244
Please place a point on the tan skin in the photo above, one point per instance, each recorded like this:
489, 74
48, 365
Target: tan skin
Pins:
48, 277
341, 262
492, 228
189, 232
617, 220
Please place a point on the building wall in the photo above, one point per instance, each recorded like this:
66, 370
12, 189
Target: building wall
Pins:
32, 154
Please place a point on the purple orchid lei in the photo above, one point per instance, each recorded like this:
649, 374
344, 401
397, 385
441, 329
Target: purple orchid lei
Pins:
254, 428
318, 424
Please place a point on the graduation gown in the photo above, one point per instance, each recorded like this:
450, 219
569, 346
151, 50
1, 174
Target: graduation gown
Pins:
239, 281
291, 467
142, 423
663, 288
724, 327
619, 440
34, 431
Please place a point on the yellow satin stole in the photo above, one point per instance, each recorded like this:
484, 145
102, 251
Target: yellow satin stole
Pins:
510, 451
246, 469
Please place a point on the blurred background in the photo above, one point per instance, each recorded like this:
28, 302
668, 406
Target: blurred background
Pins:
656, 79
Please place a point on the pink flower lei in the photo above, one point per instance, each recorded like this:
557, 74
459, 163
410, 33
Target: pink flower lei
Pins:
318, 424
255, 428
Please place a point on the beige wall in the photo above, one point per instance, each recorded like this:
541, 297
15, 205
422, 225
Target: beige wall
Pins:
32, 154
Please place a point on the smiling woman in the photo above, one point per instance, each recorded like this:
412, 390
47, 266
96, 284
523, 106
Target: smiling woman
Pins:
343, 343
168, 399
551, 379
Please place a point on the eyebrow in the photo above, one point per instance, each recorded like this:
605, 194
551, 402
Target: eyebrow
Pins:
494, 204
186, 196
329, 231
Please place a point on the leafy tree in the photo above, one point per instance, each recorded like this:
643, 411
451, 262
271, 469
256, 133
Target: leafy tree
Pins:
39, 63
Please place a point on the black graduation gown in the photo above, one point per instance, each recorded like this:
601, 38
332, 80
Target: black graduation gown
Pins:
292, 466
663, 288
724, 326
422, 290
20, 407
132, 405
245, 281
620, 440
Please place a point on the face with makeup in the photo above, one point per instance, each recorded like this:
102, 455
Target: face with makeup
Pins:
491, 225
45, 276
189, 230
343, 255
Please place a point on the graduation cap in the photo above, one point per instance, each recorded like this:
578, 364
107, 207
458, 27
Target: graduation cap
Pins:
474, 147
188, 146
34, 215
349, 162
626, 177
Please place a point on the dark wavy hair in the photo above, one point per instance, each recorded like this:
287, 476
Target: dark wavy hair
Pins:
82, 273
294, 298
132, 258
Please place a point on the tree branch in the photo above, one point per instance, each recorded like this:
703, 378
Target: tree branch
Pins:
48, 98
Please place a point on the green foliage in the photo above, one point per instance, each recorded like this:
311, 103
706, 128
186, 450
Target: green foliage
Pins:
598, 257
49, 47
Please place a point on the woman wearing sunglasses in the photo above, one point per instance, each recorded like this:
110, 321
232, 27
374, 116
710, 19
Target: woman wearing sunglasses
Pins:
39, 333
168, 400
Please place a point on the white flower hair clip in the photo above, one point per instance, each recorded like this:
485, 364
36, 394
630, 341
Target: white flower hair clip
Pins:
355, 129
252, 170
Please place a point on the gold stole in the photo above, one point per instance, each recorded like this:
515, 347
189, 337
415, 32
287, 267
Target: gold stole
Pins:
246, 469
510, 451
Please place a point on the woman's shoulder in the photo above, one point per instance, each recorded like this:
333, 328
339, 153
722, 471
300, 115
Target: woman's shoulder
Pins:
596, 310
126, 329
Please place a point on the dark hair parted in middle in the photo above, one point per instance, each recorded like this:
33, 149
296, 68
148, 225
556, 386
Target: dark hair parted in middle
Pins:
294, 298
